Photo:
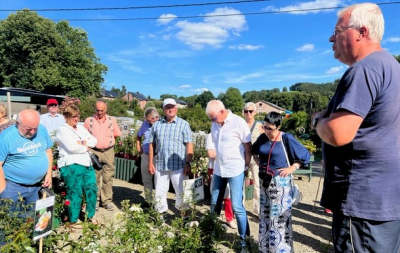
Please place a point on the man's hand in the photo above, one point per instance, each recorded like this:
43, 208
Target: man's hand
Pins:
152, 169
47, 181
187, 170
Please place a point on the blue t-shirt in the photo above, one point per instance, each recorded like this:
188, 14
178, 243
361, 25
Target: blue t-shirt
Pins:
362, 178
145, 130
24, 160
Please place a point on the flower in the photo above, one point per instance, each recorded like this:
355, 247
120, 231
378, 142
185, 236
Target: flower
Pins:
136, 208
63, 193
67, 202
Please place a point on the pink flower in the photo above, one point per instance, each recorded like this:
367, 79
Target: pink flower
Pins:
67, 202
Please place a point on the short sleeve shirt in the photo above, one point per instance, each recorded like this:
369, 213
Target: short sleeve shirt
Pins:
170, 139
145, 130
362, 178
24, 160
228, 140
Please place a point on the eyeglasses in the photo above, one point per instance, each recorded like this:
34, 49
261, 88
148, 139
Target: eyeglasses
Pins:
336, 31
97, 110
268, 128
248, 111
52, 105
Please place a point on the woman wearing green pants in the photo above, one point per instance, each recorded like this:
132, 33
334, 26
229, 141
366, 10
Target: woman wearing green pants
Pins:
76, 166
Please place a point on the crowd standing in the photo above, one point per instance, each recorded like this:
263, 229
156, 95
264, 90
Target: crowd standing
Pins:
359, 130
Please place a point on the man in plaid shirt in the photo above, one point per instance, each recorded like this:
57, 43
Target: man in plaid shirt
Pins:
171, 145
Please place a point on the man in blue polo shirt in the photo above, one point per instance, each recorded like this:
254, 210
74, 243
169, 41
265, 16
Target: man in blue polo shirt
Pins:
173, 153
52, 120
25, 160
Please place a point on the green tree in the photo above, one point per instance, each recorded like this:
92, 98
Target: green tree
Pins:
196, 117
164, 96
149, 104
36, 53
204, 98
233, 100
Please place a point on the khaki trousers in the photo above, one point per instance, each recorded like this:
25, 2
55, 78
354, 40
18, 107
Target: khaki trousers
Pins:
147, 178
104, 177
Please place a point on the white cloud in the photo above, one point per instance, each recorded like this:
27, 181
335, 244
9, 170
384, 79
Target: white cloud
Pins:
164, 19
393, 39
198, 35
334, 70
306, 47
150, 35
213, 31
316, 6
125, 63
245, 47
200, 90
185, 86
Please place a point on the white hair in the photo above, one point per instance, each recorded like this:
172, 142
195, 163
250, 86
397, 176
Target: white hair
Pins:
368, 15
214, 106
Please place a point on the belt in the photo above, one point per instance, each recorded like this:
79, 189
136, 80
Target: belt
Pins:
27, 185
103, 150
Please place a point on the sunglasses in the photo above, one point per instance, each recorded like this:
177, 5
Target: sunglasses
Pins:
248, 111
268, 128
52, 105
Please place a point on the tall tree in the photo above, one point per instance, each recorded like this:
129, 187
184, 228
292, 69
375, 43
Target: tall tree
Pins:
233, 100
204, 98
36, 53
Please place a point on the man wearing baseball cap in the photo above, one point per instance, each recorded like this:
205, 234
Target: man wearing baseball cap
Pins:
52, 120
171, 145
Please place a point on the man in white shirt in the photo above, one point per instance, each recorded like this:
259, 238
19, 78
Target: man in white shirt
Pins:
232, 139
52, 120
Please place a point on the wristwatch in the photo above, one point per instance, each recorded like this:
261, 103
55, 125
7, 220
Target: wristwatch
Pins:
246, 167
296, 166
315, 122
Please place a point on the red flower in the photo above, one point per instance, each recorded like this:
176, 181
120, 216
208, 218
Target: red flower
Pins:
54, 167
67, 202
63, 194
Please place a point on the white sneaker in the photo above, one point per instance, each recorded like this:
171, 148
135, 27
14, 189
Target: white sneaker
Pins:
232, 224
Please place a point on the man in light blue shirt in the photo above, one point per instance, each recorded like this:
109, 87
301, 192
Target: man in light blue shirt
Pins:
171, 144
52, 120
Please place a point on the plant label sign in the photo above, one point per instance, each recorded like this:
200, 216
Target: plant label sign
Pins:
193, 189
44, 215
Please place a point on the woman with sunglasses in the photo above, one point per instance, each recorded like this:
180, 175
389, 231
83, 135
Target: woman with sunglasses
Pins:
278, 155
255, 131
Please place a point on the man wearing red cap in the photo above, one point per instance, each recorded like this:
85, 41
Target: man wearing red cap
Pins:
52, 120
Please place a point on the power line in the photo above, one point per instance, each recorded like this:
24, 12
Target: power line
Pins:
144, 7
215, 15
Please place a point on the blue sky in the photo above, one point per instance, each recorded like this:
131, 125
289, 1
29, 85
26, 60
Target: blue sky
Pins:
171, 53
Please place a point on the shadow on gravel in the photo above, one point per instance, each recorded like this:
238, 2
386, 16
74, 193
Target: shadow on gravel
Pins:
122, 193
317, 226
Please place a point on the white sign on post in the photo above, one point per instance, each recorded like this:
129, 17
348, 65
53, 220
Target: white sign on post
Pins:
44, 215
193, 188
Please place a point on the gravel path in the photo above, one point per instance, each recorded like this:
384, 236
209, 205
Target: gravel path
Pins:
311, 228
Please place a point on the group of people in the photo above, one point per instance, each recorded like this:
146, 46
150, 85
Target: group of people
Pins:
360, 147
26, 158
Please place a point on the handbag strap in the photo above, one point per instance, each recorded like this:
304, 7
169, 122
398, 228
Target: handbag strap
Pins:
270, 151
287, 159
252, 127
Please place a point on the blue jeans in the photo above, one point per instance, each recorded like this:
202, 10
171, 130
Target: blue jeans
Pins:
218, 191
23, 197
